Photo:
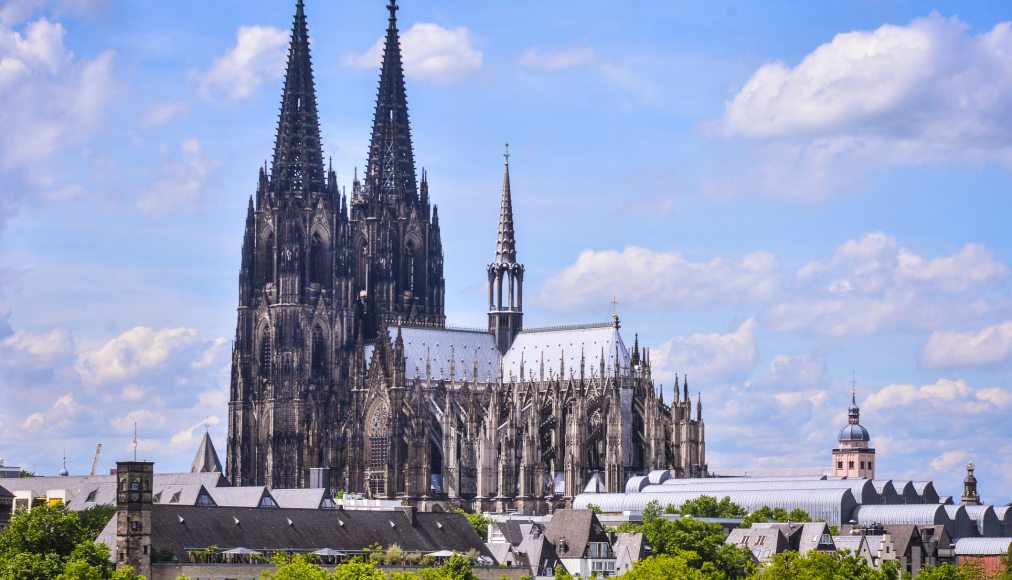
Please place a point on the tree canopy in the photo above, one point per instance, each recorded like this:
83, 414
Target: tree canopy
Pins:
54, 542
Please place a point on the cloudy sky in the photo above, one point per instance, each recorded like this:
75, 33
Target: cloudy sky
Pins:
782, 196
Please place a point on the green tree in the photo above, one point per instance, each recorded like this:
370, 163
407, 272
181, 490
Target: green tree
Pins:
296, 567
708, 507
594, 508
358, 569
818, 566
664, 567
94, 519
44, 530
561, 574
477, 521
768, 514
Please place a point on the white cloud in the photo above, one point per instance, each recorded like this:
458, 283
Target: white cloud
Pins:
141, 351
182, 180
566, 58
162, 113
868, 100
872, 284
653, 279
258, 56
947, 460
708, 358
51, 101
902, 395
799, 372
989, 346
26, 349
430, 53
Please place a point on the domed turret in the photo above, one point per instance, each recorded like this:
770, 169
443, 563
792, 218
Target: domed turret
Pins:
854, 457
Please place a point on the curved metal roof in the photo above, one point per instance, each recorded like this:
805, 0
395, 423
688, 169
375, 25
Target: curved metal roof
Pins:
636, 484
692, 480
918, 514
926, 490
982, 546
832, 505
907, 493
659, 476
886, 491
963, 526
986, 520
1004, 513
863, 490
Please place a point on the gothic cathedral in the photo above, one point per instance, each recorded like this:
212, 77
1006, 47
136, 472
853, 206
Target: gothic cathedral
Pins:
343, 363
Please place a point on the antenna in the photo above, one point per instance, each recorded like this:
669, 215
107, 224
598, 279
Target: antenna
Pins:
135, 441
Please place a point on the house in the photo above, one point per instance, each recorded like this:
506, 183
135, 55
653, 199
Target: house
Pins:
803, 537
909, 547
856, 545
989, 553
629, 548
6, 506
763, 542
582, 544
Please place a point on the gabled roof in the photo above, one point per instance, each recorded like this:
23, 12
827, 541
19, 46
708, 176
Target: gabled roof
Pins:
206, 460
570, 530
194, 527
905, 537
566, 344
763, 542
540, 554
307, 498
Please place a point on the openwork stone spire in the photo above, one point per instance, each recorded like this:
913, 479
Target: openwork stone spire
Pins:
298, 155
506, 243
391, 166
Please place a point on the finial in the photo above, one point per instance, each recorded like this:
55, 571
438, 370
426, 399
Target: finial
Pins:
135, 441
507, 154
853, 388
614, 311
392, 7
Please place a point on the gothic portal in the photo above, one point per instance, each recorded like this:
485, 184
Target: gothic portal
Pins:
342, 358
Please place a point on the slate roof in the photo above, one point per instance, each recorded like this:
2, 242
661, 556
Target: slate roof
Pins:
196, 527
101, 489
763, 542
629, 548
540, 553
4, 492
570, 530
308, 498
206, 459
238, 496
905, 537
566, 344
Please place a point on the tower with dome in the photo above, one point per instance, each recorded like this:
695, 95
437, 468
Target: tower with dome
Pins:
854, 455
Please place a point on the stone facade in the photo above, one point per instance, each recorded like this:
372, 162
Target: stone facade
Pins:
342, 358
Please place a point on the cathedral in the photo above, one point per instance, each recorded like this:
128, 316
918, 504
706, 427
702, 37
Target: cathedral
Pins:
343, 364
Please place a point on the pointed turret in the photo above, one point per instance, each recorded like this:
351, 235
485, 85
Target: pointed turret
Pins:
206, 460
298, 155
505, 275
390, 171
506, 243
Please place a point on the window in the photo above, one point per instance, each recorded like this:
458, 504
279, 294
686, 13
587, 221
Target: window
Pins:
135, 484
265, 266
839, 465
760, 541
91, 496
319, 354
265, 353
318, 266
267, 502
870, 465
204, 499
744, 540
862, 465
135, 526
850, 465
175, 497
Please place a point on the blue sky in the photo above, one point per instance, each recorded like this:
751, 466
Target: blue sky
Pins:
781, 195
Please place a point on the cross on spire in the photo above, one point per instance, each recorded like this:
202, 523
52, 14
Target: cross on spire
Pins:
507, 154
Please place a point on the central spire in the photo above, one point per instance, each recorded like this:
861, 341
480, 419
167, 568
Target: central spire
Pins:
506, 243
298, 155
391, 166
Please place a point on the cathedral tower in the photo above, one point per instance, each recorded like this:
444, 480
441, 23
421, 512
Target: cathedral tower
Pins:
296, 311
505, 314
395, 241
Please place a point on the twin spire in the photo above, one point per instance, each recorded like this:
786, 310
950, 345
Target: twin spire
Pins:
390, 171
298, 154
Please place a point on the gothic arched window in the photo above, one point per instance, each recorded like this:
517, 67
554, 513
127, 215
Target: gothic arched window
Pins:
318, 367
363, 266
409, 268
265, 353
265, 263
318, 261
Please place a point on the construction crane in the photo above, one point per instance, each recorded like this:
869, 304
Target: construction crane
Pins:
94, 462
